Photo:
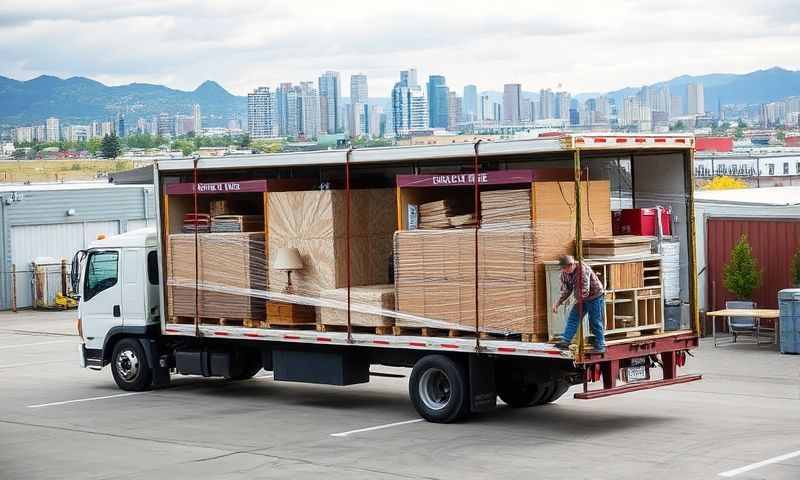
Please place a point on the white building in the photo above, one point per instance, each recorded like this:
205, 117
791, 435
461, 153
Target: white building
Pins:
198, 119
635, 115
562, 105
23, 134
695, 101
261, 114
53, 132
547, 104
308, 108
7, 150
512, 95
359, 92
409, 105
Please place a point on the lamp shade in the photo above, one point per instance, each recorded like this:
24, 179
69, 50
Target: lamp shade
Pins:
287, 258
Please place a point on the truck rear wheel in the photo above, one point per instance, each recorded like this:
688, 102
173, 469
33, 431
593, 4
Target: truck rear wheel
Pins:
558, 391
438, 388
129, 366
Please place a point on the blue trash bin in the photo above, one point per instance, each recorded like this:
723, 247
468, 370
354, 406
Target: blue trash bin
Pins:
789, 304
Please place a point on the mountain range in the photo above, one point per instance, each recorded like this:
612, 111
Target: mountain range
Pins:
79, 99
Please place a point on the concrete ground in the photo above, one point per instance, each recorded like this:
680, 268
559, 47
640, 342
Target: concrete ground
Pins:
60, 421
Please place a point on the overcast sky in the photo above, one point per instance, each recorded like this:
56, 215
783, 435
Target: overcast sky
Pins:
582, 46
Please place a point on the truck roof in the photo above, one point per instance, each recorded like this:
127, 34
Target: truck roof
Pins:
564, 143
140, 238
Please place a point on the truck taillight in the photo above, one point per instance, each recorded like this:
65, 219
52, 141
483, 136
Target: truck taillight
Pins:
79, 327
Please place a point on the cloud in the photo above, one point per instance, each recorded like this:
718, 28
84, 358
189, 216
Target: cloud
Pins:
586, 46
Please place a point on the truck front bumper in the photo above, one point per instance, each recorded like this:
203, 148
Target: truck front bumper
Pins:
90, 358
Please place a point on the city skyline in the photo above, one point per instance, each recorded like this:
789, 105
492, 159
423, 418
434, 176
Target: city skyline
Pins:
253, 44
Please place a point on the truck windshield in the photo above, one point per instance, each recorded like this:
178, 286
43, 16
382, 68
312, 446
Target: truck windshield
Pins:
101, 273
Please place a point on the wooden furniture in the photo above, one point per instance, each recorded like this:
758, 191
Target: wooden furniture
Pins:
279, 314
633, 300
757, 313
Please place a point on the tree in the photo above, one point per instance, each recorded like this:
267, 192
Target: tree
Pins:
185, 146
93, 145
110, 146
723, 182
742, 274
678, 127
739, 133
796, 269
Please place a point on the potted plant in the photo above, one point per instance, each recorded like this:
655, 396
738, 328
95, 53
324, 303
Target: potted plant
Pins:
742, 274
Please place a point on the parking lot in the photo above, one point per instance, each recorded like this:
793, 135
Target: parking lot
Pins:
60, 421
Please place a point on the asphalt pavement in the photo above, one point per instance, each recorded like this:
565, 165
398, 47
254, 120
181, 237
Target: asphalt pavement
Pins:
59, 421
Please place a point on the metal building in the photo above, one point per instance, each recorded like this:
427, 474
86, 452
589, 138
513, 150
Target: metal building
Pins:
56, 220
770, 217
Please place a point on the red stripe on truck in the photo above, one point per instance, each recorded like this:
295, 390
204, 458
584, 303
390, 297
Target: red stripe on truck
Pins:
622, 140
449, 345
324, 339
417, 344
222, 334
506, 349
599, 140
291, 337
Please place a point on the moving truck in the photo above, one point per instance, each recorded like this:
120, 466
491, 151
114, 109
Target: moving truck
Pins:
441, 258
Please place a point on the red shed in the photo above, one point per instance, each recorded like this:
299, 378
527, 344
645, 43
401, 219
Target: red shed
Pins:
792, 141
714, 144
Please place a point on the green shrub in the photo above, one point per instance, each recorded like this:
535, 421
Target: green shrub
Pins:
742, 274
796, 269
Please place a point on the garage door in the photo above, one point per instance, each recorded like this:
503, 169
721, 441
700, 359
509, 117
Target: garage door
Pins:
57, 241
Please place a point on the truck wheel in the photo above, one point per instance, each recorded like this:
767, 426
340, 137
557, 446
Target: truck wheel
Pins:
560, 389
520, 396
129, 366
438, 389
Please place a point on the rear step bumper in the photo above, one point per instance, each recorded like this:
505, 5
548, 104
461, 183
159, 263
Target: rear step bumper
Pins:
634, 387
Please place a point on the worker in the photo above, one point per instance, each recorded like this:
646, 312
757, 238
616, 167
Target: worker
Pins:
593, 296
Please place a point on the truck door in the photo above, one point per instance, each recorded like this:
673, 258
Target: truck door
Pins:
101, 299
133, 287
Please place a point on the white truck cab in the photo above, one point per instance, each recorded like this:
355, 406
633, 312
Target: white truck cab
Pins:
118, 298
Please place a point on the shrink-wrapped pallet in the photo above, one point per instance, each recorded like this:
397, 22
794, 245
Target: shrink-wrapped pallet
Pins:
230, 273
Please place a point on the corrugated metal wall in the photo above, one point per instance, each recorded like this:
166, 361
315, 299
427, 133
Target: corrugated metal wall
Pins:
773, 242
36, 223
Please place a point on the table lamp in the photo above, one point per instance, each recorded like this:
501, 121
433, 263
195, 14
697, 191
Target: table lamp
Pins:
288, 259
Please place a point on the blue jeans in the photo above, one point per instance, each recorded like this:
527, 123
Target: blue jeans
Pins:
595, 310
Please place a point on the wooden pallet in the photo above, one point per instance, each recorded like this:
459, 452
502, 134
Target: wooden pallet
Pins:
378, 330
535, 337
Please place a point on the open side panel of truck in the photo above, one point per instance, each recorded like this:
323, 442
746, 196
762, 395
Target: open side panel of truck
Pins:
448, 288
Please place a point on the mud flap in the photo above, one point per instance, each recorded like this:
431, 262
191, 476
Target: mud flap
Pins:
482, 391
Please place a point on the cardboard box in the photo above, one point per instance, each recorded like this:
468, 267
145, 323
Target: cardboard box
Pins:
373, 296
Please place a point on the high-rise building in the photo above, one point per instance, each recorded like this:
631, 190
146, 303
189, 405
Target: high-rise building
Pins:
469, 103
282, 110
695, 101
562, 105
330, 102
409, 105
40, 133
676, 106
438, 94
409, 77
374, 120
23, 134
497, 112
261, 114
308, 116
485, 109
120, 125
359, 92
512, 96
454, 115
198, 120
634, 115
53, 132
547, 104
164, 126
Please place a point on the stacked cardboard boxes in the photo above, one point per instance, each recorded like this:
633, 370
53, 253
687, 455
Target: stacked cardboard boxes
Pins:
435, 278
230, 268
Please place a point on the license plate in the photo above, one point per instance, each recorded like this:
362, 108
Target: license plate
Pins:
636, 374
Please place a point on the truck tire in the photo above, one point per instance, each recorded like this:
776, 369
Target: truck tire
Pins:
438, 388
560, 389
129, 366
521, 396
